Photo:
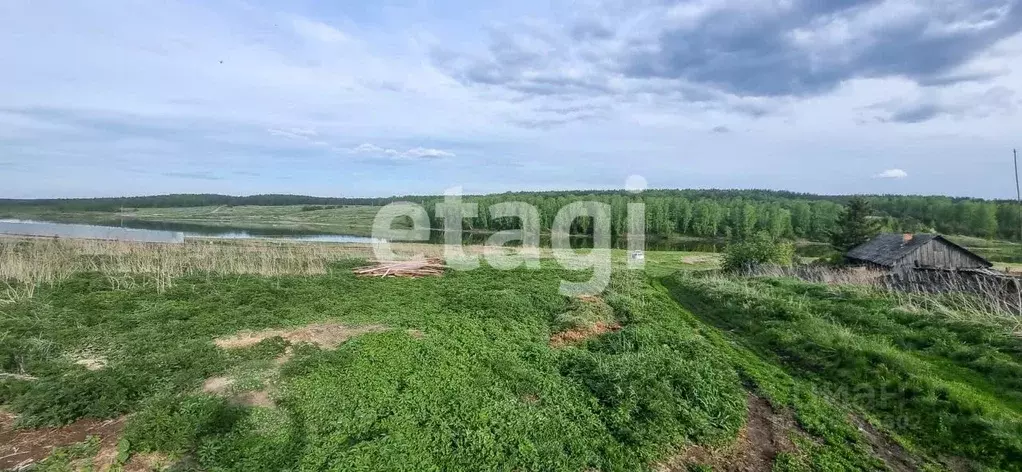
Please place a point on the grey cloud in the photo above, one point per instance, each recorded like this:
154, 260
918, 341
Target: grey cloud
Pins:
917, 113
721, 129
591, 30
951, 79
529, 59
758, 55
761, 50
996, 100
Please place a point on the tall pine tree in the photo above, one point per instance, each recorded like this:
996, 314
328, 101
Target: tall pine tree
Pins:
854, 225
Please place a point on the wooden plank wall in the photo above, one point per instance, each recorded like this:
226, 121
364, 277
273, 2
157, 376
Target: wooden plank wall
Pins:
937, 253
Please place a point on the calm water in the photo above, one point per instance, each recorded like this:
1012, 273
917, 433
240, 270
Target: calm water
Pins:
80, 231
161, 232
135, 230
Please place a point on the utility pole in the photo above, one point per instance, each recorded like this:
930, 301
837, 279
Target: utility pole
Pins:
1018, 193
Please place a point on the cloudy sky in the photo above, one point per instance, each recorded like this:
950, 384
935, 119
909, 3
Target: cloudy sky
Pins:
106, 98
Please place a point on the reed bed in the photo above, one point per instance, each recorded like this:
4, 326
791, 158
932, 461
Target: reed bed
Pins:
25, 263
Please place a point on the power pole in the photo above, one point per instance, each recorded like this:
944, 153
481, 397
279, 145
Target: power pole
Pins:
1018, 193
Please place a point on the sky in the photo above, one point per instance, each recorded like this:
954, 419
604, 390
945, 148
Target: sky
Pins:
359, 98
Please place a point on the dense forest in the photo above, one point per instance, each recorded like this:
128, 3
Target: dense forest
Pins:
700, 213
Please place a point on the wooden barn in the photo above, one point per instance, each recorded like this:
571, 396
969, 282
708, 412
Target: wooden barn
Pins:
905, 252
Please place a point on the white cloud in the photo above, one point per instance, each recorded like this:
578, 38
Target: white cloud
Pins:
891, 174
293, 133
414, 153
428, 153
318, 31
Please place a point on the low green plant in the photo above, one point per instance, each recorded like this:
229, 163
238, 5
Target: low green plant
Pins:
76, 456
857, 348
757, 250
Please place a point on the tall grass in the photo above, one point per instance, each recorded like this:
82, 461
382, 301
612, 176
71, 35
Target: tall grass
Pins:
27, 263
953, 295
946, 386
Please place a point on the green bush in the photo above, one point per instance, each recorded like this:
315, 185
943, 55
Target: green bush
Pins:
760, 249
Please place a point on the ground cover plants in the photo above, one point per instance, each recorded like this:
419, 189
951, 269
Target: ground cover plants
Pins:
495, 370
944, 386
463, 376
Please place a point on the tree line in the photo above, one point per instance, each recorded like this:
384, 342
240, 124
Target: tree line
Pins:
731, 214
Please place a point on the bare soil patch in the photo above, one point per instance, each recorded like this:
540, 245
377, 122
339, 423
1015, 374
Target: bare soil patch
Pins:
20, 448
325, 335
148, 461
217, 385
764, 436
221, 386
895, 456
259, 398
575, 336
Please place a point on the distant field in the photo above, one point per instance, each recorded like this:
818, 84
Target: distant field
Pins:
355, 220
1002, 253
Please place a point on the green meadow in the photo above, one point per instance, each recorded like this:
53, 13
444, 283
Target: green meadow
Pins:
670, 368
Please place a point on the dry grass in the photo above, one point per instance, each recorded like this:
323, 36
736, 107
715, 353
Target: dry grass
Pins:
959, 296
25, 263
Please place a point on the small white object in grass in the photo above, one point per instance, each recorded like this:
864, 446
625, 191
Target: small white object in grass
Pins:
638, 256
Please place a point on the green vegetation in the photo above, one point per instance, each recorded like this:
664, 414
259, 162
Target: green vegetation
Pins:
460, 372
946, 387
354, 220
480, 389
63, 458
695, 213
993, 250
760, 249
854, 226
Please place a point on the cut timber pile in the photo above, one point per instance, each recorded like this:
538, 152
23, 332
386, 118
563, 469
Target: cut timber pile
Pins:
414, 269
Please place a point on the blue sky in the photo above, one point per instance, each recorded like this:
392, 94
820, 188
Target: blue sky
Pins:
108, 98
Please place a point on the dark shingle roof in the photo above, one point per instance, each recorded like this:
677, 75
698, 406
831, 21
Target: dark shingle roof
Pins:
888, 248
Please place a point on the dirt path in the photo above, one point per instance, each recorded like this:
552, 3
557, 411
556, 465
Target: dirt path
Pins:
20, 448
764, 436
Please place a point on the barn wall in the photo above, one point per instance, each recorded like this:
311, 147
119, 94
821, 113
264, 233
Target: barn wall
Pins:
938, 253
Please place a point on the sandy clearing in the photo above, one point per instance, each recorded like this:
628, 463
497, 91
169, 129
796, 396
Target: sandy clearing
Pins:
325, 335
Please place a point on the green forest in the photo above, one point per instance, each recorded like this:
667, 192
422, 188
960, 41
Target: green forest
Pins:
697, 213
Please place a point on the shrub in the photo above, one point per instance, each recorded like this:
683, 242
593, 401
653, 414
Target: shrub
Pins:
760, 249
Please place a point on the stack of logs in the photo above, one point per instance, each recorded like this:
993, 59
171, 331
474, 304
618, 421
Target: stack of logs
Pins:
413, 269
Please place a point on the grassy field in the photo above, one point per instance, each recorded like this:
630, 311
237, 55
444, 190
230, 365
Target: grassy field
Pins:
354, 220
260, 356
1001, 253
